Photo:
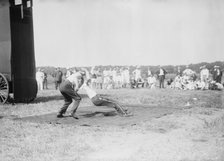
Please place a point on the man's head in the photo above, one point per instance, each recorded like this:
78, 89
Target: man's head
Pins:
202, 67
216, 66
80, 81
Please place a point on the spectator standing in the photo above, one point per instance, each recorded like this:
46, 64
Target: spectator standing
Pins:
204, 74
40, 79
217, 74
126, 77
179, 71
161, 75
45, 83
149, 72
137, 74
93, 77
99, 79
58, 78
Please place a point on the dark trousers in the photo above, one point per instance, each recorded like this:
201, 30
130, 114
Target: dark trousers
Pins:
69, 93
57, 84
161, 81
45, 84
218, 79
101, 101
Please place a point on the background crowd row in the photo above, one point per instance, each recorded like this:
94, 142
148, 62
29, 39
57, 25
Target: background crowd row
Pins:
126, 77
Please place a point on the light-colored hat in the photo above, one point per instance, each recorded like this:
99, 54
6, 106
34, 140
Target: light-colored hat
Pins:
216, 66
202, 67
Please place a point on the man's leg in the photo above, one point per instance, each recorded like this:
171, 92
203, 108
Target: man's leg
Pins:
162, 82
46, 84
114, 104
74, 109
67, 102
77, 99
56, 85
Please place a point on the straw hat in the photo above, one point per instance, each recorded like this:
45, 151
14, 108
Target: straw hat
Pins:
203, 67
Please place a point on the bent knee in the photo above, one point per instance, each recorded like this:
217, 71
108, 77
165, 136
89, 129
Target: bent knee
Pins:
78, 99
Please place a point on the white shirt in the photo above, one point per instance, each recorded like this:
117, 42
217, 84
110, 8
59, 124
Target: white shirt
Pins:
40, 76
161, 72
205, 72
90, 92
68, 73
137, 74
74, 79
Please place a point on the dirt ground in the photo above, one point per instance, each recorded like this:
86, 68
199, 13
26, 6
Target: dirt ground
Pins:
166, 125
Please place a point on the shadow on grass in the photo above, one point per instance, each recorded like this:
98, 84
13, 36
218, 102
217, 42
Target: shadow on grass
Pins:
51, 98
109, 113
52, 117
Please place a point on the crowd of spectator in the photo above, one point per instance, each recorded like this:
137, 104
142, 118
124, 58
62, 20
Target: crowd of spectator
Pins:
188, 79
123, 77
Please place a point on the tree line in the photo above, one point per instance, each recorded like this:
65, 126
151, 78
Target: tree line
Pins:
171, 69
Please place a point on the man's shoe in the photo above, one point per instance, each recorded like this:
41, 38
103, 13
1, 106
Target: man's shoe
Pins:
59, 115
127, 114
74, 116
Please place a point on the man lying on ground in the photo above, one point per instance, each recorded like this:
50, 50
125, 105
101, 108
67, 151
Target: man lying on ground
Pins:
99, 100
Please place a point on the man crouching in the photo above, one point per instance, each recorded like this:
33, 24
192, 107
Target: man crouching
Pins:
69, 89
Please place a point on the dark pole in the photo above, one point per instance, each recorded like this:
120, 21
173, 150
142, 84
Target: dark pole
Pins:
22, 51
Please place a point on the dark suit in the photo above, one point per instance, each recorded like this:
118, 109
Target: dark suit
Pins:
58, 78
161, 77
217, 75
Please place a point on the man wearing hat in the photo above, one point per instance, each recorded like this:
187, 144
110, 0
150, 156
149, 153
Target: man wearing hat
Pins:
161, 74
69, 89
217, 74
58, 77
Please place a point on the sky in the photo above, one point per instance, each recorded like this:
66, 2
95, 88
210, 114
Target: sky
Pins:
128, 32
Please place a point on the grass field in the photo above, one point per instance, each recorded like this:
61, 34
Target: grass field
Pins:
167, 125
